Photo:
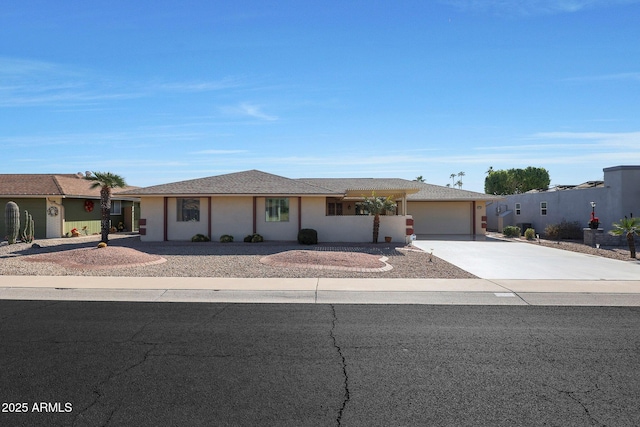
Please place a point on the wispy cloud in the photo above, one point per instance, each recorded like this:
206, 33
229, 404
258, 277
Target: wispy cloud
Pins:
248, 110
220, 152
201, 86
623, 77
532, 7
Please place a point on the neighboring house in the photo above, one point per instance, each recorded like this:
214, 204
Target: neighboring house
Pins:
59, 203
618, 195
277, 207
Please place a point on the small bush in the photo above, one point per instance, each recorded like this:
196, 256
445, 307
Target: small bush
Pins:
530, 233
225, 238
564, 230
254, 238
200, 238
308, 236
102, 245
511, 231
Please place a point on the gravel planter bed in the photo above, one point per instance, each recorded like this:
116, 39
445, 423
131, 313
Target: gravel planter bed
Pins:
212, 259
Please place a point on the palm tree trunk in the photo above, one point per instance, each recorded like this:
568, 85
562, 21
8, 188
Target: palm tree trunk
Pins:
376, 228
632, 245
105, 211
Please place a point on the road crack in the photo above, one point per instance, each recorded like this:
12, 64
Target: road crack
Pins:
346, 395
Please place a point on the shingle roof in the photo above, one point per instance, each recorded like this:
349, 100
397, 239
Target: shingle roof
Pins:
252, 182
255, 182
343, 185
431, 192
65, 185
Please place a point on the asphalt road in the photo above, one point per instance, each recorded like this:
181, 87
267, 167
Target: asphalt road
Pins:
140, 364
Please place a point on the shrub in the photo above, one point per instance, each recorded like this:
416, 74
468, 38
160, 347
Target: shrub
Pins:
225, 238
564, 230
511, 231
102, 245
200, 238
308, 236
530, 233
254, 238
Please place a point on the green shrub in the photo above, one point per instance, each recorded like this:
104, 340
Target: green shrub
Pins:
254, 238
308, 236
225, 238
530, 233
511, 231
200, 238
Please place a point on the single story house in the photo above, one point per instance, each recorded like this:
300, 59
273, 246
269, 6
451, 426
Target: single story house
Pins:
276, 207
59, 203
617, 195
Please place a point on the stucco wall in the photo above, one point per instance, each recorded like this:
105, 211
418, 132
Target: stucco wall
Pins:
152, 211
37, 209
232, 216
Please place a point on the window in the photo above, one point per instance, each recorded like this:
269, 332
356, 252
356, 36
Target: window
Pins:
543, 208
334, 209
116, 207
277, 210
188, 210
517, 208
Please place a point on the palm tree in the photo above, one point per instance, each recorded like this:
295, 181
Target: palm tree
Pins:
453, 177
106, 181
375, 206
628, 227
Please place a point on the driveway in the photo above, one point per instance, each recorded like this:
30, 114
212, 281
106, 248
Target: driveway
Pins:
498, 259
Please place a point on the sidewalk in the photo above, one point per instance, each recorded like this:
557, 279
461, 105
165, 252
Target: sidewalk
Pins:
324, 290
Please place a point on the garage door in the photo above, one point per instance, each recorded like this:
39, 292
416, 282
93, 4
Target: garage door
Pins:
441, 217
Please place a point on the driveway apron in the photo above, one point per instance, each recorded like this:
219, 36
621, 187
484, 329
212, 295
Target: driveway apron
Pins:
498, 259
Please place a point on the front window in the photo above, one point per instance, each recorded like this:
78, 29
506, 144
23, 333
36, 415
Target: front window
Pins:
277, 210
116, 207
188, 210
517, 208
334, 209
543, 208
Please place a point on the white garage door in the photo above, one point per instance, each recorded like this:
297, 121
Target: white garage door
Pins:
441, 217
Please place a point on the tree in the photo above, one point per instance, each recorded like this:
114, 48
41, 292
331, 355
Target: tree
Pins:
375, 206
453, 177
420, 179
106, 181
515, 181
627, 227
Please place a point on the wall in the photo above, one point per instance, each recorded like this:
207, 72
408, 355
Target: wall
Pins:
37, 209
185, 230
349, 228
152, 211
232, 216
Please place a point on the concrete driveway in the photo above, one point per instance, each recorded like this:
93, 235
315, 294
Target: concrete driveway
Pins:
498, 259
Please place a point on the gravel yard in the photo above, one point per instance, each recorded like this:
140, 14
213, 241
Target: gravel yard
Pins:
212, 259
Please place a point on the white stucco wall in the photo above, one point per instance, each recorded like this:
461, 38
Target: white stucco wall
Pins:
185, 230
232, 216
152, 210
349, 228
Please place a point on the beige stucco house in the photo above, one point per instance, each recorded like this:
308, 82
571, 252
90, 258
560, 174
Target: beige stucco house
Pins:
277, 207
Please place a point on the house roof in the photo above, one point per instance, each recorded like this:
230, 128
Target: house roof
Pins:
255, 182
360, 186
42, 185
252, 182
431, 192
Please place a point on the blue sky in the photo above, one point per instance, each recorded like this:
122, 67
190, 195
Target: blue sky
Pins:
161, 91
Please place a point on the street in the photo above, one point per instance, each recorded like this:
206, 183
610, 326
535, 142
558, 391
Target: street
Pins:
125, 363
